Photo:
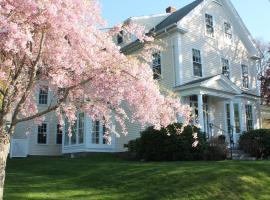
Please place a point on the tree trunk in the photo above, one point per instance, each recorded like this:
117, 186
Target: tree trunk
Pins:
4, 149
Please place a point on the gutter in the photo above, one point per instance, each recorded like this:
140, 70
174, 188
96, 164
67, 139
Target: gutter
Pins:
153, 33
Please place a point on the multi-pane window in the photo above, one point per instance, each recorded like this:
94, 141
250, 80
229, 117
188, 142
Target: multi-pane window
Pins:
77, 131
249, 117
228, 118
74, 132
59, 134
156, 64
98, 132
197, 62
43, 95
42, 134
245, 77
66, 141
228, 30
95, 132
120, 38
225, 67
237, 118
209, 23
81, 128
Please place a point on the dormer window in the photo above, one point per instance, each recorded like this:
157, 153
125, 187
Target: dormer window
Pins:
120, 38
156, 65
225, 67
228, 30
209, 23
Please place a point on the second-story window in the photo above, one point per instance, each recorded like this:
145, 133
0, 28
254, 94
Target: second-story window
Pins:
209, 23
225, 67
228, 30
43, 95
245, 77
120, 38
156, 64
197, 62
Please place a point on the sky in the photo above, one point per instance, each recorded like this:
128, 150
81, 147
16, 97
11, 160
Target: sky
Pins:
254, 13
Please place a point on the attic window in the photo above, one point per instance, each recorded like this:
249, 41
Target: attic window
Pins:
228, 30
209, 23
120, 38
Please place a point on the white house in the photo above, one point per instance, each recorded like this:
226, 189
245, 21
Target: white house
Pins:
209, 59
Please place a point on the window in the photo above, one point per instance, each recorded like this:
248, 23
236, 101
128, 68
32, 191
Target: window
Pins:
225, 67
77, 131
43, 96
237, 118
228, 30
249, 117
197, 62
98, 132
156, 65
95, 132
66, 141
209, 25
42, 134
74, 132
59, 133
120, 38
81, 128
228, 118
245, 78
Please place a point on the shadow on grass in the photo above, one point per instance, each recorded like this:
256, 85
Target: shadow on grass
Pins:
106, 177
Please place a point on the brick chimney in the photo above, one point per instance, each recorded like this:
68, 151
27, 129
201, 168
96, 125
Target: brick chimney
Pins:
170, 9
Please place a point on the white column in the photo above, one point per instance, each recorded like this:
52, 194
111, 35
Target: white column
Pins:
232, 119
200, 111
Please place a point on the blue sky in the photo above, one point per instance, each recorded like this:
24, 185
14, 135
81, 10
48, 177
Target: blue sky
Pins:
255, 13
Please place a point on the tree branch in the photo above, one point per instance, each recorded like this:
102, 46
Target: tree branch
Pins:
31, 82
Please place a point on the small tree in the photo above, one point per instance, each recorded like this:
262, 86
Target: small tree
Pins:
264, 70
60, 44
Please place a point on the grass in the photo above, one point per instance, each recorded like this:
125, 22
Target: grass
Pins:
105, 177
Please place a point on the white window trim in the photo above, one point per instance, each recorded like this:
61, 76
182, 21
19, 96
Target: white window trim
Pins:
214, 25
47, 134
230, 66
252, 112
161, 64
249, 77
202, 62
37, 96
227, 40
63, 133
239, 110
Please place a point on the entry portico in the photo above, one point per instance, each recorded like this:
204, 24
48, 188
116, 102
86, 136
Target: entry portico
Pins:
217, 105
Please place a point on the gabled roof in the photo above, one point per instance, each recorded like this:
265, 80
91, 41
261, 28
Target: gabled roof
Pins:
218, 82
177, 16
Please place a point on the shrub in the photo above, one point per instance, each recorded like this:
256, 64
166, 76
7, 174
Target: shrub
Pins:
167, 144
216, 149
256, 143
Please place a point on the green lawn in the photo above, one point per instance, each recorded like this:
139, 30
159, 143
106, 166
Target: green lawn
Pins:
107, 177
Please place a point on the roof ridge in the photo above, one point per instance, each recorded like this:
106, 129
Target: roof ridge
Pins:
177, 15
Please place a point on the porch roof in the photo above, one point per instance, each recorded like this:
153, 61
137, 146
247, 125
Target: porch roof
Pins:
218, 85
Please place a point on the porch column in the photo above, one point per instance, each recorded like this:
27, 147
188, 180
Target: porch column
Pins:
200, 112
232, 119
